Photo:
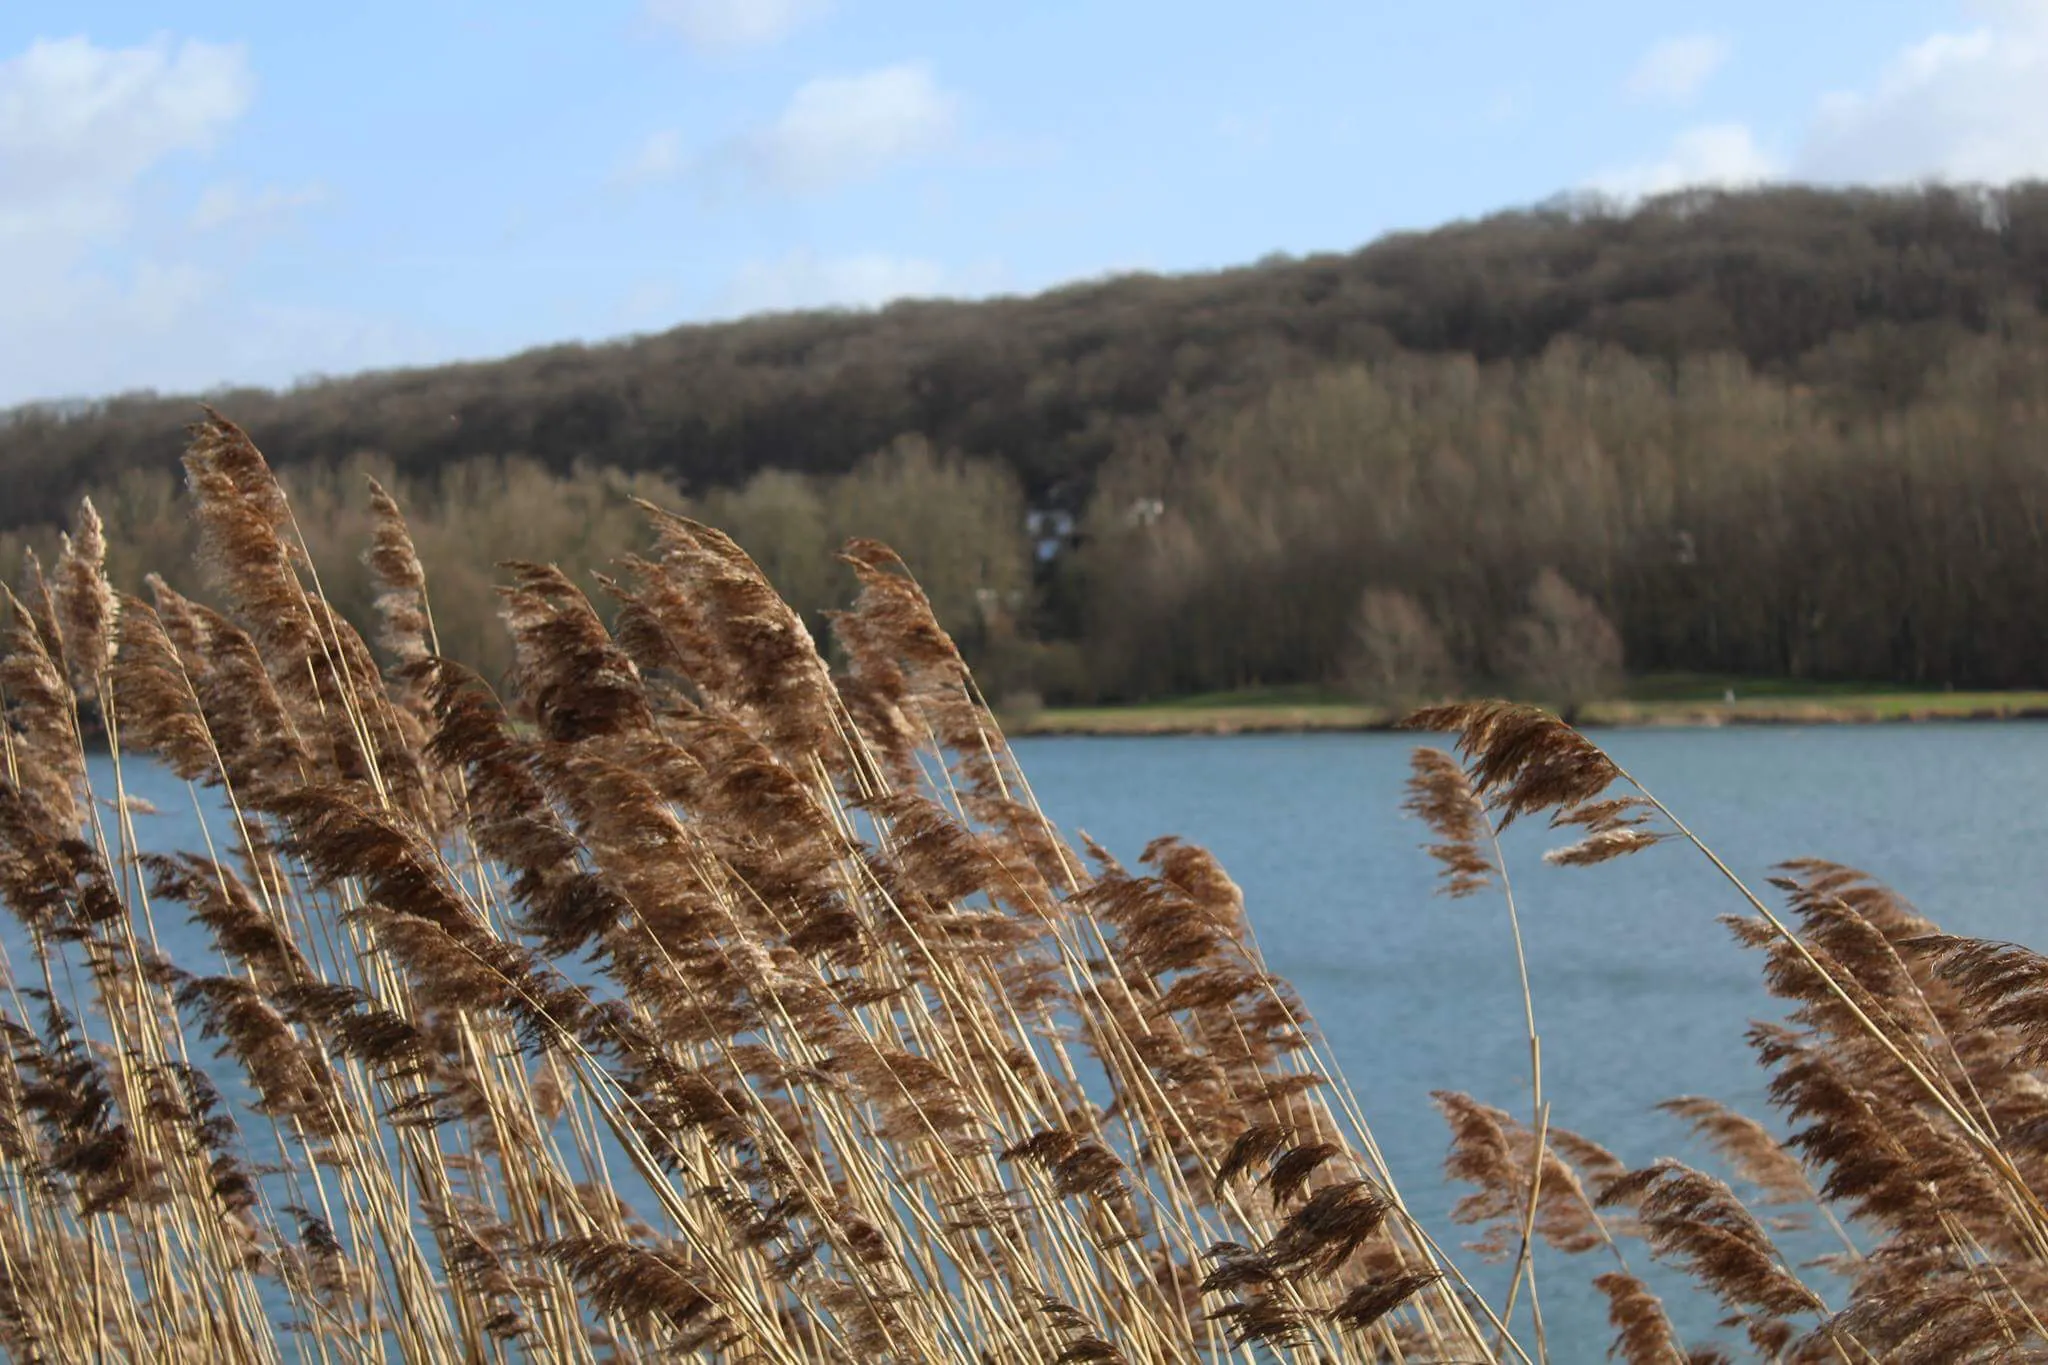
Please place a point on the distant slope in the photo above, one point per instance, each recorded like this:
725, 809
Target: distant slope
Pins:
1044, 383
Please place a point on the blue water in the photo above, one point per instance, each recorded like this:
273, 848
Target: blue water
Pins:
1640, 994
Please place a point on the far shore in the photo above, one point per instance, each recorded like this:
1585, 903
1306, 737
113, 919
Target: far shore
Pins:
1235, 716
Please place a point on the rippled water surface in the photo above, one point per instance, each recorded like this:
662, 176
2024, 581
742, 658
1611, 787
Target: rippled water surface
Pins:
1640, 993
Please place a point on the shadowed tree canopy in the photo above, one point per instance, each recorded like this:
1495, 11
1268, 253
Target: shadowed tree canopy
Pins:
1044, 383
1790, 433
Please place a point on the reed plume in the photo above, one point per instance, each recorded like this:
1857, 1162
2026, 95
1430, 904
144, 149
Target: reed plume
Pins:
687, 998
1906, 1065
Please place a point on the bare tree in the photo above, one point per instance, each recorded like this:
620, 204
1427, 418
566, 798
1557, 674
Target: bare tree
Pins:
1565, 651
1395, 655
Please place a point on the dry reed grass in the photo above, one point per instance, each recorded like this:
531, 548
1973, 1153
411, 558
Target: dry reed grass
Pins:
695, 1000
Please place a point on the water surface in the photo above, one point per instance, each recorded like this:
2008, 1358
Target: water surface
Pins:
1640, 992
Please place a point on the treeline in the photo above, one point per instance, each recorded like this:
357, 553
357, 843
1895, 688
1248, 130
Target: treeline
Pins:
962, 522
1356, 520
1046, 384
1790, 433
1724, 521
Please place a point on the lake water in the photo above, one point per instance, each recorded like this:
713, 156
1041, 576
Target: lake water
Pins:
1640, 993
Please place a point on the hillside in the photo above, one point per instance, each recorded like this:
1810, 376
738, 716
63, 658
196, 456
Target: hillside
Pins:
1783, 434
1780, 277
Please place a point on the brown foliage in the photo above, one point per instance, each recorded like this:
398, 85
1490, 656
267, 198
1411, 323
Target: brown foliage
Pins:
855, 1060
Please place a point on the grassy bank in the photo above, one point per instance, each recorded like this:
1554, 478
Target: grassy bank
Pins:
1676, 700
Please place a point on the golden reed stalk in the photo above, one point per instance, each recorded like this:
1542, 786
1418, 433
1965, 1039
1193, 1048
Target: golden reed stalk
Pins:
693, 999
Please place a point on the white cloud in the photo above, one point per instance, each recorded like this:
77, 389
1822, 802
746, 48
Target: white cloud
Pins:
78, 120
1675, 70
802, 279
82, 127
1955, 106
96, 297
2009, 11
1723, 154
1965, 106
232, 204
660, 157
723, 25
840, 129
74, 115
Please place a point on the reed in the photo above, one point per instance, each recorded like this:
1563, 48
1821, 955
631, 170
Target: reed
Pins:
695, 999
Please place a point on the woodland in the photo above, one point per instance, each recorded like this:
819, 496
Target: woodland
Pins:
1789, 433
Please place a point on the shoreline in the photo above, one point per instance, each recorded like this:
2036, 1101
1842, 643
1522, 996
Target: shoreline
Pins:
1338, 718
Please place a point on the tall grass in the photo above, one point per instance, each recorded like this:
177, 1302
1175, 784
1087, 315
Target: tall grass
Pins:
693, 1000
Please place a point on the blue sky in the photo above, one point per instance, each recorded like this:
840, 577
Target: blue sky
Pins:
209, 191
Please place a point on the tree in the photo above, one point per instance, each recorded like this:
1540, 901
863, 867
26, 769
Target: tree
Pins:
1565, 651
957, 521
1789, 433
1395, 656
782, 520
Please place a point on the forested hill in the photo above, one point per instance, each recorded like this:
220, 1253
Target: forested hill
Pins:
1790, 433
1046, 383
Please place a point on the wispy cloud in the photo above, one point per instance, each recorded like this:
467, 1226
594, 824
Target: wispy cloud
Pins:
838, 130
1965, 106
1721, 154
1677, 69
80, 127
660, 156
725, 25
804, 279
1961, 106
79, 123
232, 204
